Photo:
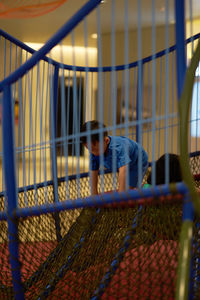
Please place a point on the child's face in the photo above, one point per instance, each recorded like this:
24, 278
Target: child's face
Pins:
96, 148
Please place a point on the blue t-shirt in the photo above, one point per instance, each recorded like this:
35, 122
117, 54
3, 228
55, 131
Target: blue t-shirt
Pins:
123, 151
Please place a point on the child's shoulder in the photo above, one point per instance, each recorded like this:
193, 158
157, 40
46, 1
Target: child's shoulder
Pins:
120, 138
121, 142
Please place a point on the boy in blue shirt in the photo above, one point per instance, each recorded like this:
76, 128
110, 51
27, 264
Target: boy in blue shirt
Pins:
118, 151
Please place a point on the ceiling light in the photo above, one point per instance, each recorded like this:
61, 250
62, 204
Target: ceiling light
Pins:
162, 9
94, 35
65, 48
103, 1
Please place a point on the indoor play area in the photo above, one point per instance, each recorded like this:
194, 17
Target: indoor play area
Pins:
100, 151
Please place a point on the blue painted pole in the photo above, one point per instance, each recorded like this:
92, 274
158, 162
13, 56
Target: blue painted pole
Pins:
118, 257
180, 44
11, 192
139, 99
54, 151
99, 200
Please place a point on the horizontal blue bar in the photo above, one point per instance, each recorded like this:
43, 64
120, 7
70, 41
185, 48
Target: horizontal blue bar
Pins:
99, 200
70, 177
48, 183
28, 65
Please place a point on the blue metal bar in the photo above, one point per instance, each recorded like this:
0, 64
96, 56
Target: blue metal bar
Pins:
11, 191
70, 177
54, 254
69, 260
139, 77
93, 69
54, 151
118, 257
188, 210
139, 100
100, 200
180, 44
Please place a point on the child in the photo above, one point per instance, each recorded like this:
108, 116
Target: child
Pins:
122, 150
174, 170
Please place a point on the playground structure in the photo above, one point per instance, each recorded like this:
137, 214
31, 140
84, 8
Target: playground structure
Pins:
58, 242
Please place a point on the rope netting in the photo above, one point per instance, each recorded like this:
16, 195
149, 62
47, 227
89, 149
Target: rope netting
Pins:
107, 253
28, 8
130, 252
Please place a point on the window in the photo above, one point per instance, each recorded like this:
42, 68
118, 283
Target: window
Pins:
195, 109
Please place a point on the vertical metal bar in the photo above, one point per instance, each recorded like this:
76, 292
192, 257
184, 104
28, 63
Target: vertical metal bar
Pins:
10, 181
118, 257
139, 99
54, 150
101, 100
113, 89
153, 95
180, 44
166, 96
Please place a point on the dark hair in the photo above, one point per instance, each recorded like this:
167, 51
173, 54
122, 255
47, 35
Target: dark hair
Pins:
93, 126
174, 169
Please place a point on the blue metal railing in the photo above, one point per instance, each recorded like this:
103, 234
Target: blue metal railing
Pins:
88, 69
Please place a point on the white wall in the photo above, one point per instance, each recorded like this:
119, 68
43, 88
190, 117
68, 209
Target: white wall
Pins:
34, 92
162, 88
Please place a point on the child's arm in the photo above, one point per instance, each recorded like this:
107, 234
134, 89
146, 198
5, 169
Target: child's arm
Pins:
122, 178
94, 182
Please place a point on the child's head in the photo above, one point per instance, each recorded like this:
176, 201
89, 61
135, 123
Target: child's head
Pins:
174, 169
92, 140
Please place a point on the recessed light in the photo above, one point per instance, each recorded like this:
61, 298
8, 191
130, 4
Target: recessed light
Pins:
94, 35
103, 1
